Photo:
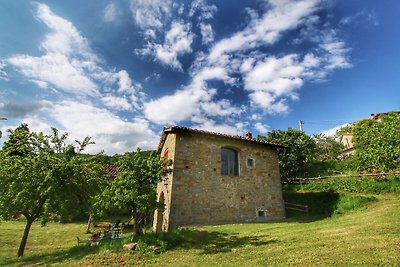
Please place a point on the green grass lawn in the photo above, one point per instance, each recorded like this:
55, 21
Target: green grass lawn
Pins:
366, 236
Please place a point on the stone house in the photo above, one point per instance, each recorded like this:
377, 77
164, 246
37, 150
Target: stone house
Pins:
217, 178
348, 147
347, 138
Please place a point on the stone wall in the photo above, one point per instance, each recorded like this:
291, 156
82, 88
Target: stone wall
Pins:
199, 194
161, 216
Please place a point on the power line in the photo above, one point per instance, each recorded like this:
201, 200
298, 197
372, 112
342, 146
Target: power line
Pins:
327, 121
322, 123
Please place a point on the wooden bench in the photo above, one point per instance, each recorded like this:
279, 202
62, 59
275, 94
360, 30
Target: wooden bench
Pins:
82, 242
88, 241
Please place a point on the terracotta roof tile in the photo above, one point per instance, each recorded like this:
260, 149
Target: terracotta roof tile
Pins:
176, 129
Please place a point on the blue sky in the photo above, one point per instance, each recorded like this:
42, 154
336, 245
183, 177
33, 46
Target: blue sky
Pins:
120, 71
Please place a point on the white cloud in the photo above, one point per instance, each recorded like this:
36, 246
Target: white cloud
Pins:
16, 110
80, 119
207, 33
59, 66
125, 86
152, 77
282, 16
110, 12
362, 17
177, 42
275, 75
220, 108
115, 102
110, 132
150, 13
336, 53
150, 34
187, 102
210, 73
212, 126
261, 128
330, 52
64, 38
174, 108
332, 131
271, 79
69, 64
205, 11
125, 82
57, 70
40, 84
3, 74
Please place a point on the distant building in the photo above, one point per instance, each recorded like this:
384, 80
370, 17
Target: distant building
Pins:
216, 179
347, 140
377, 116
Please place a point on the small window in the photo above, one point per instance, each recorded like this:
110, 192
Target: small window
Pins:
250, 163
261, 212
165, 159
229, 162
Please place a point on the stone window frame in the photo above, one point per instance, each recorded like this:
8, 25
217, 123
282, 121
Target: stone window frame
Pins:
237, 151
261, 212
254, 163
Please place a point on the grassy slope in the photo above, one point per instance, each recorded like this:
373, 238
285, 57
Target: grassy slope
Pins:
368, 236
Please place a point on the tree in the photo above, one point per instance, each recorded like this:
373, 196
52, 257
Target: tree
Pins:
42, 175
377, 143
134, 187
328, 149
299, 151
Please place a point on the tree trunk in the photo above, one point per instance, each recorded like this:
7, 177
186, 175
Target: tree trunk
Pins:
22, 245
89, 223
137, 230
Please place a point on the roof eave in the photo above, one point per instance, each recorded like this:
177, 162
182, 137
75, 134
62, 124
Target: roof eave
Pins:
175, 129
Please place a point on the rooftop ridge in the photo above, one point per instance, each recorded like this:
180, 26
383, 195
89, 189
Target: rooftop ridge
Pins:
187, 129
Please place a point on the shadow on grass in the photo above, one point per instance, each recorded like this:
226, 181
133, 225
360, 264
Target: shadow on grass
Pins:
74, 253
324, 204
207, 242
320, 205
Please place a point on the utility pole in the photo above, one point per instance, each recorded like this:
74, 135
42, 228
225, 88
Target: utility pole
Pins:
2, 119
301, 125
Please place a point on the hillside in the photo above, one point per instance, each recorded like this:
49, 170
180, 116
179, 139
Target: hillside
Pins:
343, 229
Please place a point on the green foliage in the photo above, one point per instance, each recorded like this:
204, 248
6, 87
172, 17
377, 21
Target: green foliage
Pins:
369, 185
300, 149
346, 129
328, 148
321, 168
377, 143
152, 242
40, 176
347, 165
134, 188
